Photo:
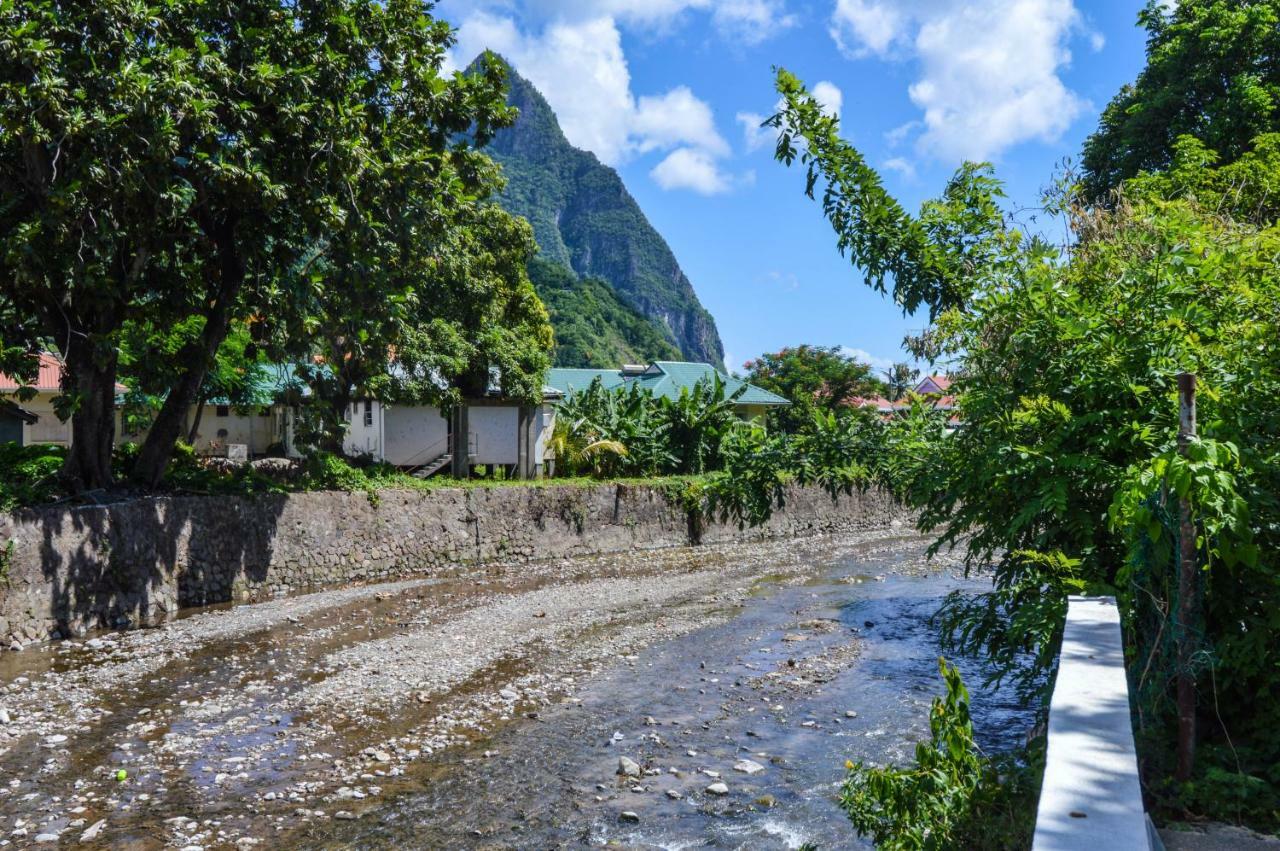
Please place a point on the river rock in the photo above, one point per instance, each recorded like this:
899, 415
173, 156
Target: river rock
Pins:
629, 817
748, 766
717, 789
92, 833
42, 838
674, 794
345, 815
628, 767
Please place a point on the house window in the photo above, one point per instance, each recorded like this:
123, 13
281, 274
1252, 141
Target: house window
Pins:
368, 414
224, 410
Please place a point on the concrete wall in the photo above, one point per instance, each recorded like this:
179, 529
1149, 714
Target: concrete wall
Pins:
242, 425
48, 429
137, 562
495, 430
1091, 796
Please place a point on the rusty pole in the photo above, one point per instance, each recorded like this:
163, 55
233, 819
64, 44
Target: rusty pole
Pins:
1188, 590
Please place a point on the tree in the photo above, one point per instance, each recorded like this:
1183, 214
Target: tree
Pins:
1211, 73
209, 176
1063, 474
813, 378
900, 378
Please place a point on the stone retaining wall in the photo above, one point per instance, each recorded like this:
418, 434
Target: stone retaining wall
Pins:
68, 570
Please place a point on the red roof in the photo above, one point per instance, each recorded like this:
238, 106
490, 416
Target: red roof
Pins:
49, 377
926, 385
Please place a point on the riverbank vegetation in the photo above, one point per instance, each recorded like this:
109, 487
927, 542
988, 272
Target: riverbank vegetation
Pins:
1065, 475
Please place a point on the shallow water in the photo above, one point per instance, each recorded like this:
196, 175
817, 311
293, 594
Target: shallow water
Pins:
776, 684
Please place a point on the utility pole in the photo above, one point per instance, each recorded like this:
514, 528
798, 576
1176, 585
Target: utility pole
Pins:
1188, 589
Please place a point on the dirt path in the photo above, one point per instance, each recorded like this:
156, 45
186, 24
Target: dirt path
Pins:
237, 727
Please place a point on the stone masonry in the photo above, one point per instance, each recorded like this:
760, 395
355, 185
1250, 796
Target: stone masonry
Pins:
66, 570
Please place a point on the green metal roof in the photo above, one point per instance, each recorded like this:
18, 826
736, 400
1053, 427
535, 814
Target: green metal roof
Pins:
662, 378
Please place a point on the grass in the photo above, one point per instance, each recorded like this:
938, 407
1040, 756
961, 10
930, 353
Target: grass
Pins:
31, 478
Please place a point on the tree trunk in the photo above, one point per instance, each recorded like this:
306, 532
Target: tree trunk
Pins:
1187, 616
194, 432
93, 425
157, 449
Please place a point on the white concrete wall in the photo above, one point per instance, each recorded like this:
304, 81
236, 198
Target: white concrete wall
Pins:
48, 429
494, 430
1091, 798
362, 439
414, 435
244, 425
545, 427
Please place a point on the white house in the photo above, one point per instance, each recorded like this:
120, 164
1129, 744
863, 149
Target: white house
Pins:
420, 438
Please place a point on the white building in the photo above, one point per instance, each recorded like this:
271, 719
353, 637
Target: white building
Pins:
420, 438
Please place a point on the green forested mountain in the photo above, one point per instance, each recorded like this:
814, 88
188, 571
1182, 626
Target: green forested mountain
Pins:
585, 220
594, 328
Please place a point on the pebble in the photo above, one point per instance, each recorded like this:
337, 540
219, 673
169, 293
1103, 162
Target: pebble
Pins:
748, 766
628, 767
674, 794
46, 837
92, 833
629, 817
850, 714
717, 789
345, 815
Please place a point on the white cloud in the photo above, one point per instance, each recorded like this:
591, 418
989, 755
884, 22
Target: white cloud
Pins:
864, 356
862, 27
902, 166
755, 136
829, 97
693, 169
988, 73
748, 22
676, 118
751, 21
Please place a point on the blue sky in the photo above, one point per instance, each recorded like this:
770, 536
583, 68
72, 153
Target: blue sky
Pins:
670, 92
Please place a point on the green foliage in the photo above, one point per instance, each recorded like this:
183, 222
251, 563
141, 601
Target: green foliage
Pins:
757, 469
1065, 364
30, 474
1211, 73
953, 797
933, 259
812, 378
186, 165
585, 220
593, 326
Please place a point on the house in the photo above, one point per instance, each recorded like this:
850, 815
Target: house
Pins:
39, 421
935, 388
420, 438
260, 421
667, 379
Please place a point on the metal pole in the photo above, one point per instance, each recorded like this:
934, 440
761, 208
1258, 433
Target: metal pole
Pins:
1188, 590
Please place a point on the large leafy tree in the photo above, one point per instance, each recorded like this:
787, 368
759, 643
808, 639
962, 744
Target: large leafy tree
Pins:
813, 378
184, 160
1212, 72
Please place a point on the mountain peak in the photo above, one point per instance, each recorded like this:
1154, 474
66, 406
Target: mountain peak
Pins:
585, 220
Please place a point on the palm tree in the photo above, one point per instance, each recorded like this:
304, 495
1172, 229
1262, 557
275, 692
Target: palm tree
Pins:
900, 378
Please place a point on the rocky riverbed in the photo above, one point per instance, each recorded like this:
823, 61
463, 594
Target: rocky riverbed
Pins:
640, 700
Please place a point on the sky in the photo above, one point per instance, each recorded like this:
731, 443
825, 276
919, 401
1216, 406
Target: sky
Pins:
671, 93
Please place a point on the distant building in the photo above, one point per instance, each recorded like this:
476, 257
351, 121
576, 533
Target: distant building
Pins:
935, 388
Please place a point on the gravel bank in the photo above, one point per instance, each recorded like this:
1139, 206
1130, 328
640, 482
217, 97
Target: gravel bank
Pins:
233, 727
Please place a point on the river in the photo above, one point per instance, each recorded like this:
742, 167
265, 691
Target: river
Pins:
321, 721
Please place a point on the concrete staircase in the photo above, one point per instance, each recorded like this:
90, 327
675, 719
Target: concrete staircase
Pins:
428, 470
